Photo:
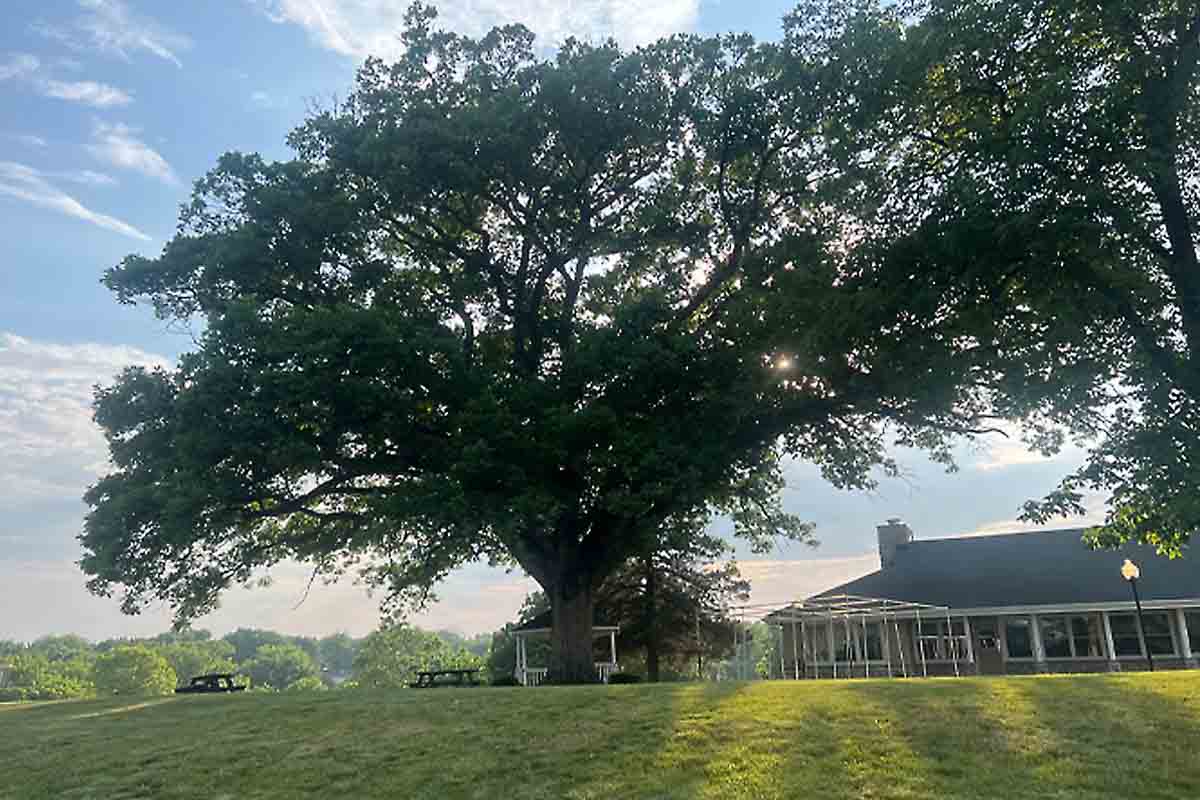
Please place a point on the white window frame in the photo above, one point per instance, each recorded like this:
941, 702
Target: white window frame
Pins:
958, 643
1074, 656
1141, 635
1033, 634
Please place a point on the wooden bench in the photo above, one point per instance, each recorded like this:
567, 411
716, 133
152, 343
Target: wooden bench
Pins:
428, 679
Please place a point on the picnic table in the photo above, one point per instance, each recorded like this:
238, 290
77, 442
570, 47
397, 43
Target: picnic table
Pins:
427, 679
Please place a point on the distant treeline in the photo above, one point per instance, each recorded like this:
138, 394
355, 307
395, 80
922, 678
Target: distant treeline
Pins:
69, 666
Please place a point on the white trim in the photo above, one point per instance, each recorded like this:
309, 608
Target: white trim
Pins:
1069, 608
1109, 646
521, 632
1185, 636
1039, 648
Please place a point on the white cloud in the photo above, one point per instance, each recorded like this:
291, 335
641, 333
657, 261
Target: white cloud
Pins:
30, 185
27, 139
91, 93
1094, 505
1000, 451
371, 27
264, 100
119, 146
109, 26
777, 583
52, 450
86, 177
18, 65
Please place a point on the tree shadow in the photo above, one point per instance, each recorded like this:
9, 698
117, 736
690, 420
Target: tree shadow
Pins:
1073, 737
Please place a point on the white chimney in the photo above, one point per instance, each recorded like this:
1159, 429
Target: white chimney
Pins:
892, 536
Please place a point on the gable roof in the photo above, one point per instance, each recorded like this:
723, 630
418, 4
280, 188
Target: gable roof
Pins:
1023, 569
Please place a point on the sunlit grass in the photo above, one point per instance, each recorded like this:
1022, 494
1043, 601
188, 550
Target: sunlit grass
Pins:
1103, 736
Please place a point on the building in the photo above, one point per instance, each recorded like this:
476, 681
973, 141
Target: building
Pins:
542, 626
1005, 604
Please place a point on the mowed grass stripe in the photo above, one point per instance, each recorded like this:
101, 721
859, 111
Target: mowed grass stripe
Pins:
1101, 736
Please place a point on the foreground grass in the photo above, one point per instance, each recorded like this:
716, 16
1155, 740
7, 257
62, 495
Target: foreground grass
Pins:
1131, 736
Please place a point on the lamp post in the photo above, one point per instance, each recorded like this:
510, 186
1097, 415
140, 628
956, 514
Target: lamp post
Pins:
1131, 573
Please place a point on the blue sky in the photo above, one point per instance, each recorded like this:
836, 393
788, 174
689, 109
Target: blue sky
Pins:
109, 109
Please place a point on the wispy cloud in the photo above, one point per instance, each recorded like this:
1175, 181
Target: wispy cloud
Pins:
91, 93
86, 177
109, 26
26, 68
27, 139
371, 27
26, 183
1095, 505
118, 145
18, 65
998, 452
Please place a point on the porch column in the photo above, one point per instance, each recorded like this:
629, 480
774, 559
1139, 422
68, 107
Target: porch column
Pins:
885, 640
1110, 649
795, 653
1039, 652
521, 659
782, 664
832, 645
970, 643
612, 646
1185, 638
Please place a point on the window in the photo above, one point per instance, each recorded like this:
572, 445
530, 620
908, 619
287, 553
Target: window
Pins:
1125, 634
1156, 627
1056, 640
1086, 633
874, 642
819, 636
1018, 637
1192, 619
941, 641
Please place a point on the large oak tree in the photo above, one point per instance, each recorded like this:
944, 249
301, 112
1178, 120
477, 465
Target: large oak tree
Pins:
506, 307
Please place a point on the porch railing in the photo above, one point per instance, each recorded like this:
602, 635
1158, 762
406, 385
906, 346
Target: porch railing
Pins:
536, 676
605, 670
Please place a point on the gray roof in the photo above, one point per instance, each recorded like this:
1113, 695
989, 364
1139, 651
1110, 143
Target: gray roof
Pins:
1023, 569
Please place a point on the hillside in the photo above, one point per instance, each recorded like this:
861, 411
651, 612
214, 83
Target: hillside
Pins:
1131, 736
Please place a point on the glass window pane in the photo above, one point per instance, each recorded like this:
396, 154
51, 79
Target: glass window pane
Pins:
1018, 638
1157, 630
1087, 632
1125, 635
874, 642
1054, 637
1193, 625
819, 635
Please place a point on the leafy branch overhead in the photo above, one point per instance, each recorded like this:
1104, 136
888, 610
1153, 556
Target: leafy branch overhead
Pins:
1039, 212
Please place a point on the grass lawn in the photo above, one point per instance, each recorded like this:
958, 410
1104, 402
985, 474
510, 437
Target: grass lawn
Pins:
1103, 736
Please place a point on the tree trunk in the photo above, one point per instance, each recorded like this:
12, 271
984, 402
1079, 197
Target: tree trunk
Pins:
573, 611
653, 673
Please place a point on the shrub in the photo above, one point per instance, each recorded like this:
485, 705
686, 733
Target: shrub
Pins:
504, 680
624, 677
133, 670
309, 683
34, 677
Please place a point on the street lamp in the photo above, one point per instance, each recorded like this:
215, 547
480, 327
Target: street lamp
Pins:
1131, 573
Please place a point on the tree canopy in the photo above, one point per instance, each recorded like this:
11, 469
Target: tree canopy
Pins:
279, 666
1035, 207
507, 307
390, 657
133, 669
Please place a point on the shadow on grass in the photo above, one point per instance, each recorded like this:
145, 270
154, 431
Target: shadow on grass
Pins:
1047, 737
